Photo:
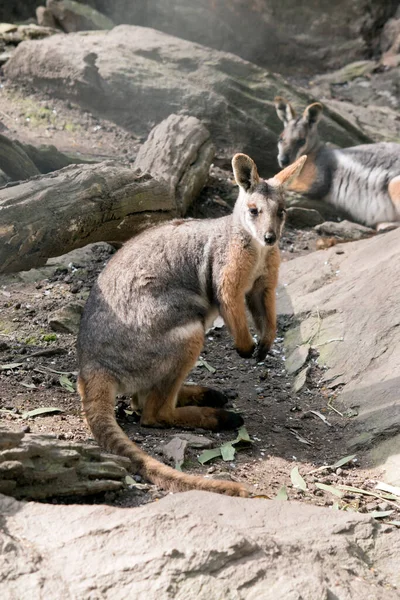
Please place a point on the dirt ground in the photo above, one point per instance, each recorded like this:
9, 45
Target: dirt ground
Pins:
284, 432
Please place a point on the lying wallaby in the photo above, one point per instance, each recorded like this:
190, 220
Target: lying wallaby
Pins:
362, 180
143, 326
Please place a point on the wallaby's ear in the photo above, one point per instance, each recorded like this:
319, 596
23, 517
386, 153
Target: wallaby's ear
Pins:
245, 171
313, 113
285, 177
284, 110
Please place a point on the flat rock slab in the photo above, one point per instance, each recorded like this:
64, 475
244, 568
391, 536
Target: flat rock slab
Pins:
347, 230
195, 545
346, 306
137, 76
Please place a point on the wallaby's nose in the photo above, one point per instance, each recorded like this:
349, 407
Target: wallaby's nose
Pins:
270, 238
284, 161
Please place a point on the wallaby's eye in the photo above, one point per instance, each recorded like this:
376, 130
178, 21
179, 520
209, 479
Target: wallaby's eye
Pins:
253, 211
281, 213
302, 141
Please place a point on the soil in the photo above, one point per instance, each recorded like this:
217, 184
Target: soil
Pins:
284, 432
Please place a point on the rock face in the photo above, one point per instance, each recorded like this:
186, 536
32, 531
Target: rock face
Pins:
195, 545
347, 304
41, 466
76, 16
281, 36
137, 77
105, 201
178, 151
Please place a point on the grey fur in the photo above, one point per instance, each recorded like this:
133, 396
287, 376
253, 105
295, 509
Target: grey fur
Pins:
164, 284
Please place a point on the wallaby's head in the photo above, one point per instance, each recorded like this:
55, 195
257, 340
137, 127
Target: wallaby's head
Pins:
260, 207
300, 135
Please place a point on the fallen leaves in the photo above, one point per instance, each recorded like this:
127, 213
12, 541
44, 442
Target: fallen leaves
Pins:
37, 412
227, 450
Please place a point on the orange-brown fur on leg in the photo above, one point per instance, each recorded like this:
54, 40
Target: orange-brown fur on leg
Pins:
200, 395
98, 397
262, 303
160, 408
234, 281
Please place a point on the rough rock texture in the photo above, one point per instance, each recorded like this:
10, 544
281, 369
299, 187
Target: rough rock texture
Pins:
381, 123
346, 230
195, 545
138, 77
41, 466
178, 151
347, 307
21, 161
67, 318
367, 94
297, 216
87, 204
281, 35
104, 202
76, 16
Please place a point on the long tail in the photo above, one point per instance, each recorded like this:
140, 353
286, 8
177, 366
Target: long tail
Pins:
98, 396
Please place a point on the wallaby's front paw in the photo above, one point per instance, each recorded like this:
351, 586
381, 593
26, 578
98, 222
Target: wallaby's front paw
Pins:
248, 353
261, 351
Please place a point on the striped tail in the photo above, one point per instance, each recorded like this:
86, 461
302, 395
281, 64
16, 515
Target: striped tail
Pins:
98, 398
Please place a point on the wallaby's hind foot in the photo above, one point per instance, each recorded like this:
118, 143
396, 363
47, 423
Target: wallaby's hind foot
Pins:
199, 395
97, 391
191, 417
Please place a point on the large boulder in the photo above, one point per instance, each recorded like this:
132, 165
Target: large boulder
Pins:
286, 37
137, 77
195, 545
345, 303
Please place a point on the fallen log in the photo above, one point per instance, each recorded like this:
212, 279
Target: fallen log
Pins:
37, 467
53, 214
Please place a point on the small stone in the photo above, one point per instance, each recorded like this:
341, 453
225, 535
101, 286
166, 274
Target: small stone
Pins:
339, 471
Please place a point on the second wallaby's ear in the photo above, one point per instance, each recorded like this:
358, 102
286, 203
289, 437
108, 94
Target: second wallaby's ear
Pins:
285, 177
313, 113
284, 110
245, 171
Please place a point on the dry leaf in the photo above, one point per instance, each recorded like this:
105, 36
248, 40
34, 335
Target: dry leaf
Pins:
297, 480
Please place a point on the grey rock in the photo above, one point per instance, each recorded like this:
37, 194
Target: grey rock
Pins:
297, 358
38, 466
196, 441
346, 230
76, 16
137, 77
185, 171
300, 380
303, 217
347, 305
67, 319
175, 450
195, 545
317, 37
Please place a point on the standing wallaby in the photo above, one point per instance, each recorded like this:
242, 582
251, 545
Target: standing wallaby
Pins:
143, 326
363, 180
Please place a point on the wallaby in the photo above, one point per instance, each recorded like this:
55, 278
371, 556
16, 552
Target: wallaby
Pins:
144, 323
364, 181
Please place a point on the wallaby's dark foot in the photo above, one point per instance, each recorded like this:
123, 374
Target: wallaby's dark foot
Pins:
198, 395
248, 353
261, 351
228, 420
